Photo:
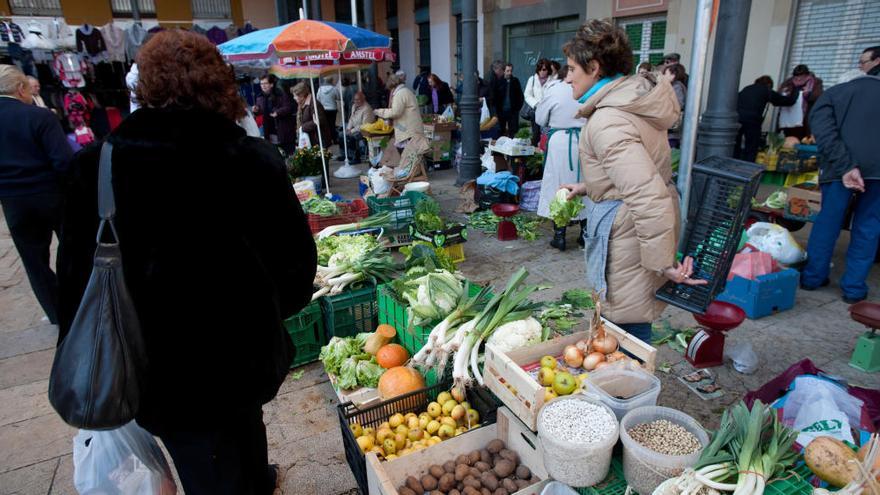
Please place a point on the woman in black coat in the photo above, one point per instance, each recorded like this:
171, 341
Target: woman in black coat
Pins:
216, 253
441, 95
279, 114
305, 118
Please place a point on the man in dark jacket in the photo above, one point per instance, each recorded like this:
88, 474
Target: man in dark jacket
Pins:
279, 114
844, 124
750, 106
421, 85
35, 154
509, 100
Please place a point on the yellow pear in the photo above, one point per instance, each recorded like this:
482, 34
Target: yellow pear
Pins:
443, 397
395, 420
365, 443
356, 429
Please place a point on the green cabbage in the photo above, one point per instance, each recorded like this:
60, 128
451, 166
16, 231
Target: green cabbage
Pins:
368, 373
562, 210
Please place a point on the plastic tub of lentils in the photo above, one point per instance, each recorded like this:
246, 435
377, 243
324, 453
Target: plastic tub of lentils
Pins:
576, 435
658, 444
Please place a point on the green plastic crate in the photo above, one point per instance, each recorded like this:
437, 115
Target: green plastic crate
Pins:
615, 483
773, 178
350, 313
402, 208
306, 330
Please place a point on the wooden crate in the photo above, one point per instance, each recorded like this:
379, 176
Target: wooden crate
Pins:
385, 477
505, 377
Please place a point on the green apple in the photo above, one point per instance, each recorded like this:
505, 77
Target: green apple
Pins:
546, 376
549, 362
564, 383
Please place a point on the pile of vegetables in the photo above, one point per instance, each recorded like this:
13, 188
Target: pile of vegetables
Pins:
379, 220
750, 448
319, 206
487, 222
353, 367
346, 270
431, 297
349, 247
835, 462
472, 321
562, 316
599, 349
427, 216
423, 257
563, 210
777, 199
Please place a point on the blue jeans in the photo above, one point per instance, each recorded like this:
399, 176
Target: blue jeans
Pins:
863, 237
642, 331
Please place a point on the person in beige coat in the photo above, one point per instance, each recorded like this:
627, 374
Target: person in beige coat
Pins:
404, 111
625, 157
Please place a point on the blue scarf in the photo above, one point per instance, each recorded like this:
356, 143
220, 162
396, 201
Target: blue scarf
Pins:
596, 87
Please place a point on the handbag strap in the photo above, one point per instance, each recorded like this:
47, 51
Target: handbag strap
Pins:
106, 198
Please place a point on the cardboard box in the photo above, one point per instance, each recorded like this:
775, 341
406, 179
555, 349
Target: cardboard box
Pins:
441, 146
385, 477
804, 203
439, 127
505, 377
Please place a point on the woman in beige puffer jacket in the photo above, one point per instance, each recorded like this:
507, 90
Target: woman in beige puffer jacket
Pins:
625, 156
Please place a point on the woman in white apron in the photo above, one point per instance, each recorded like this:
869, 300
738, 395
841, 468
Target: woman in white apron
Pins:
557, 110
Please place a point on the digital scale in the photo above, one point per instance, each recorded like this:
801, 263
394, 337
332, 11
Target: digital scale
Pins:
706, 347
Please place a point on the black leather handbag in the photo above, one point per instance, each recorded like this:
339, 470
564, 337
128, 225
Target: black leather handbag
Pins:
94, 382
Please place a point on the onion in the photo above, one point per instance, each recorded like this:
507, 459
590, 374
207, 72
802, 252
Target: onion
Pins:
573, 356
602, 365
605, 345
592, 360
615, 356
584, 346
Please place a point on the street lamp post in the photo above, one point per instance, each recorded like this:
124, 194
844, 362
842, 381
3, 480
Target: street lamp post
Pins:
372, 89
470, 106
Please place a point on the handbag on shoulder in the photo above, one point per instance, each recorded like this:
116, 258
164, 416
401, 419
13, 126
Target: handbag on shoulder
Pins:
94, 383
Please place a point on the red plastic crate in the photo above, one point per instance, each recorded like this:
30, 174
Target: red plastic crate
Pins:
347, 213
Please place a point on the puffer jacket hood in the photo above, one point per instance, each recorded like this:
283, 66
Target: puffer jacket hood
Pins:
653, 102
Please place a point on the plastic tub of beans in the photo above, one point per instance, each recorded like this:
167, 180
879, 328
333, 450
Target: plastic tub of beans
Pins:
576, 435
658, 444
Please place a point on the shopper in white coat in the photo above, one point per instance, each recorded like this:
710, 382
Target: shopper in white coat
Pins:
534, 92
557, 111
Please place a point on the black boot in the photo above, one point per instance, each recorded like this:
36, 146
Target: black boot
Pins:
581, 237
558, 239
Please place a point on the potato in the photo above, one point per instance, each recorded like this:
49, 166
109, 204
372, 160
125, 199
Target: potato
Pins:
504, 468
523, 473
469, 490
495, 446
415, 485
520, 484
473, 457
437, 492
510, 485
485, 491
472, 482
463, 459
446, 482
501, 491
453, 491
436, 471
476, 472
829, 459
489, 480
482, 466
405, 491
449, 467
486, 456
461, 471
510, 456
429, 482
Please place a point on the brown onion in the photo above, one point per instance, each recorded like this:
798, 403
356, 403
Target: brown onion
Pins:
605, 345
592, 360
584, 346
601, 365
573, 356
615, 356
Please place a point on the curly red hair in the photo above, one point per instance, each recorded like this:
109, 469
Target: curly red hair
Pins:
181, 69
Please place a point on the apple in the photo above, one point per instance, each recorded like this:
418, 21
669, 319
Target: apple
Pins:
549, 394
546, 376
564, 383
446, 431
549, 362
434, 409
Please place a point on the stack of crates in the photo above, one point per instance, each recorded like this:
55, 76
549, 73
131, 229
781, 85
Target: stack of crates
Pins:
352, 312
306, 330
720, 200
402, 209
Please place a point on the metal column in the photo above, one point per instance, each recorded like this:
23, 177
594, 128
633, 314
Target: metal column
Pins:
470, 106
719, 126
316, 10
373, 90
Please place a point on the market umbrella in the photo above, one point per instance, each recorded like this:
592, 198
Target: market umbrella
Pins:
306, 39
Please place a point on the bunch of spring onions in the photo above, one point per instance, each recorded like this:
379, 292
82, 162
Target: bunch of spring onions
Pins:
374, 266
473, 321
748, 449
378, 220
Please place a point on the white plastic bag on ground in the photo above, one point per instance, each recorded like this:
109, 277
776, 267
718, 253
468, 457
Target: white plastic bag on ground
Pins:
776, 241
488, 161
743, 356
819, 407
378, 183
123, 461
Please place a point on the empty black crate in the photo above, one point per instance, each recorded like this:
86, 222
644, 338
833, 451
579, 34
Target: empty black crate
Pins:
480, 399
720, 199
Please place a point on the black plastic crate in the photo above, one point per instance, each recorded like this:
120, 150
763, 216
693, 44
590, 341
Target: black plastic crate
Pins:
480, 399
721, 193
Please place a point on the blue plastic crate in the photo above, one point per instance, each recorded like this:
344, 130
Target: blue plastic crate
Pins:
763, 296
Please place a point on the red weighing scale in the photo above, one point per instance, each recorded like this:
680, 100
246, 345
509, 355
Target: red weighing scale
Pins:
506, 228
706, 348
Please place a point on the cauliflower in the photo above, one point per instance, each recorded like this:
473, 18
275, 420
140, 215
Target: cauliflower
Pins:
516, 334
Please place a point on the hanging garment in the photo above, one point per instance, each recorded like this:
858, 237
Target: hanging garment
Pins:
11, 32
114, 38
34, 38
217, 35
70, 69
247, 28
84, 135
77, 108
135, 37
61, 34
90, 41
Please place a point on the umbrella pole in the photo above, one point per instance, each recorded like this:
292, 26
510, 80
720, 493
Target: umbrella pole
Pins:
320, 139
342, 105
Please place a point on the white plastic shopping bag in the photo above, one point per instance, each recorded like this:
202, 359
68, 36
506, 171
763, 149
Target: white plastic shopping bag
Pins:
488, 161
792, 116
819, 407
448, 115
304, 141
123, 461
484, 113
776, 241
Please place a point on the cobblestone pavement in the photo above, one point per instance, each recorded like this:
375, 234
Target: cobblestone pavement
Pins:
303, 430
